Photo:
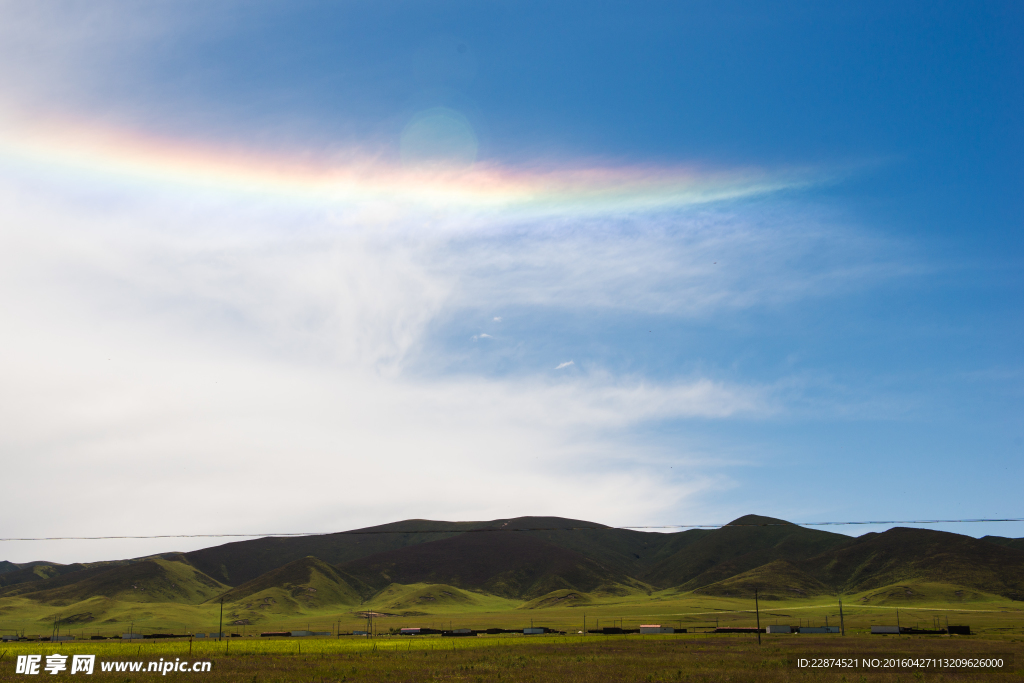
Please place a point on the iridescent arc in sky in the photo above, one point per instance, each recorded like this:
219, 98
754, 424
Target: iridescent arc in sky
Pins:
92, 152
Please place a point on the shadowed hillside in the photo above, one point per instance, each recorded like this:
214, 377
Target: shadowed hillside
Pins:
34, 572
241, 561
149, 581
626, 550
1015, 543
901, 554
732, 550
511, 564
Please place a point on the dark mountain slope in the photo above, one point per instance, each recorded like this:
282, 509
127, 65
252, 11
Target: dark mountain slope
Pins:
875, 560
6, 566
33, 572
241, 561
512, 564
148, 581
732, 550
1015, 543
625, 550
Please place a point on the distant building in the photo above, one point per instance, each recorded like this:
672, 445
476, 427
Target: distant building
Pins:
656, 628
819, 629
779, 628
885, 630
458, 633
533, 631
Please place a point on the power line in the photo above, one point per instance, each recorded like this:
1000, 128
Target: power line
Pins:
491, 529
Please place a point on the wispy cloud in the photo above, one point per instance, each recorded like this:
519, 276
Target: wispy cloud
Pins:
218, 339
564, 365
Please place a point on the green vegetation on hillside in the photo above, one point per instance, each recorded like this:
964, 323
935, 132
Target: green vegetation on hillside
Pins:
511, 572
154, 581
733, 550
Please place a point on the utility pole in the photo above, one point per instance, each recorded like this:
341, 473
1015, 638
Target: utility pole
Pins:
757, 609
898, 629
220, 629
842, 624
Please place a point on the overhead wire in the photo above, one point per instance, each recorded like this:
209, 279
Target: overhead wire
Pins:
594, 527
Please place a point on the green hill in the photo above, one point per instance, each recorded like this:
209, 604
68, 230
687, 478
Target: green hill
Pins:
910, 593
778, 580
419, 597
148, 581
6, 566
731, 550
558, 599
309, 583
423, 566
899, 555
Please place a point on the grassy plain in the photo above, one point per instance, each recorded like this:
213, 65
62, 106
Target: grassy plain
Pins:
515, 659
922, 605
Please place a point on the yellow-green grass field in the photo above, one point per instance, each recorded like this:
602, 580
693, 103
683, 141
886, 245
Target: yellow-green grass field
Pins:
515, 659
920, 605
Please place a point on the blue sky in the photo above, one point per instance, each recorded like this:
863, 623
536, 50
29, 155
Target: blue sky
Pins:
798, 295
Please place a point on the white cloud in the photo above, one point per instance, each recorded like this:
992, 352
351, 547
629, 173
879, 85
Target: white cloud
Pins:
215, 350
168, 351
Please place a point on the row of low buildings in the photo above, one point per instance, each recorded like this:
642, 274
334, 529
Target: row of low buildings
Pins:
952, 630
539, 630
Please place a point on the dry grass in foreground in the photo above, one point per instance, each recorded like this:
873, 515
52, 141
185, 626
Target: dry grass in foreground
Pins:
623, 660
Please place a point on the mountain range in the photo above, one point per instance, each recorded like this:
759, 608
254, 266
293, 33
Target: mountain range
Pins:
537, 561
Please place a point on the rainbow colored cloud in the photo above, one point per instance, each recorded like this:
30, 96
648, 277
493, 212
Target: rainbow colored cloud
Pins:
124, 156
